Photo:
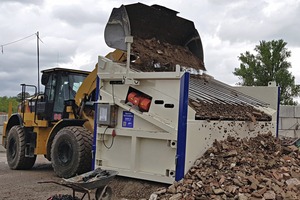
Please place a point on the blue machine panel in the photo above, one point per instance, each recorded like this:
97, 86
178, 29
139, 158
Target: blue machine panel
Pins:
182, 126
128, 119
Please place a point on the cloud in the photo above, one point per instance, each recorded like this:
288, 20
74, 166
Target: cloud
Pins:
255, 21
77, 15
72, 33
221, 57
24, 2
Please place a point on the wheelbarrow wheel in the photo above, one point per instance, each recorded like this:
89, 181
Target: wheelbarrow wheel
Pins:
103, 193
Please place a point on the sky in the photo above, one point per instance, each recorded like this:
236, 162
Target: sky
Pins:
72, 34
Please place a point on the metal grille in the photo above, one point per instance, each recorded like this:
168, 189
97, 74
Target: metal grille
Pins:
213, 91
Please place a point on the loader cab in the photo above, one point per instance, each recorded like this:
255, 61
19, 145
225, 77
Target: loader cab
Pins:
61, 86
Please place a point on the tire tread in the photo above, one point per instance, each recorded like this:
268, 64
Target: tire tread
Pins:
84, 140
22, 161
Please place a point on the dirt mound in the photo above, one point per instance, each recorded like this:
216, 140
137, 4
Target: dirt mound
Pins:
154, 55
133, 189
256, 168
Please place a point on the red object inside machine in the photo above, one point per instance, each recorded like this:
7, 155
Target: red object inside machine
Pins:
140, 100
130, 97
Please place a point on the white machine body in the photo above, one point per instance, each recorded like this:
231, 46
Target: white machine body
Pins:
161, 142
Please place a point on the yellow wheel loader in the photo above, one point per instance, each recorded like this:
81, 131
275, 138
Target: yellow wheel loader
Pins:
52, 124
59, 122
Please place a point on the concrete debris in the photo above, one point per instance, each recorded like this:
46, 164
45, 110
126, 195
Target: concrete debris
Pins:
153, 197
293, 181
263, 169
176, 196
270, 195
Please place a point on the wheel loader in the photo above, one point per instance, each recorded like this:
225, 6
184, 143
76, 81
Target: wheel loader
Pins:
50, 124
59, 122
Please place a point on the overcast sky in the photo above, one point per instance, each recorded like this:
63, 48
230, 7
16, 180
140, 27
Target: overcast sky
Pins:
72, 33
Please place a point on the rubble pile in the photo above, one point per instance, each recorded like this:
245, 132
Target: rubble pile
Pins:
154, 55
256, 168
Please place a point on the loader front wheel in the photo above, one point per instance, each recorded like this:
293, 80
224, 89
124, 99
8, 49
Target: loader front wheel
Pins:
71, 151
15, 151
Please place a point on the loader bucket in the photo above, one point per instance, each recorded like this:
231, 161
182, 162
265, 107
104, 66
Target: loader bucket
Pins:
147, 22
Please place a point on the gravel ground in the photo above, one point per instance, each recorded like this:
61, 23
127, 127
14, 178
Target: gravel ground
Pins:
20, 184
23, 184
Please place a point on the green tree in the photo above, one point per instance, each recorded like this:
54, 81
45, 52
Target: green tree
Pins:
4, 102
269, 64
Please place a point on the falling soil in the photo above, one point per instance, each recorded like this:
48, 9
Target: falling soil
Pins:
154, 55
218, 111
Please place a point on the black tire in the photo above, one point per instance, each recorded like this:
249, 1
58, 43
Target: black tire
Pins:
15, 152
107, 194
71, 151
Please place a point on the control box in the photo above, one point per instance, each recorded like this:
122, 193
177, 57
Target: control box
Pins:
107, 114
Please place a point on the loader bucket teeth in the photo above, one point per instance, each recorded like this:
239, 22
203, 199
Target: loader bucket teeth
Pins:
147, 22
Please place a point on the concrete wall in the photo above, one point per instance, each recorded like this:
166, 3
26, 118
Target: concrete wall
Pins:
3, 118
289, 121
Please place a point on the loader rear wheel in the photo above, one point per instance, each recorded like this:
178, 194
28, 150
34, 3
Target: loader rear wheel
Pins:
71, 151
15, 151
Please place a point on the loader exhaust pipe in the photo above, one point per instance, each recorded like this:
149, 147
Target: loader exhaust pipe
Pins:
147, 22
